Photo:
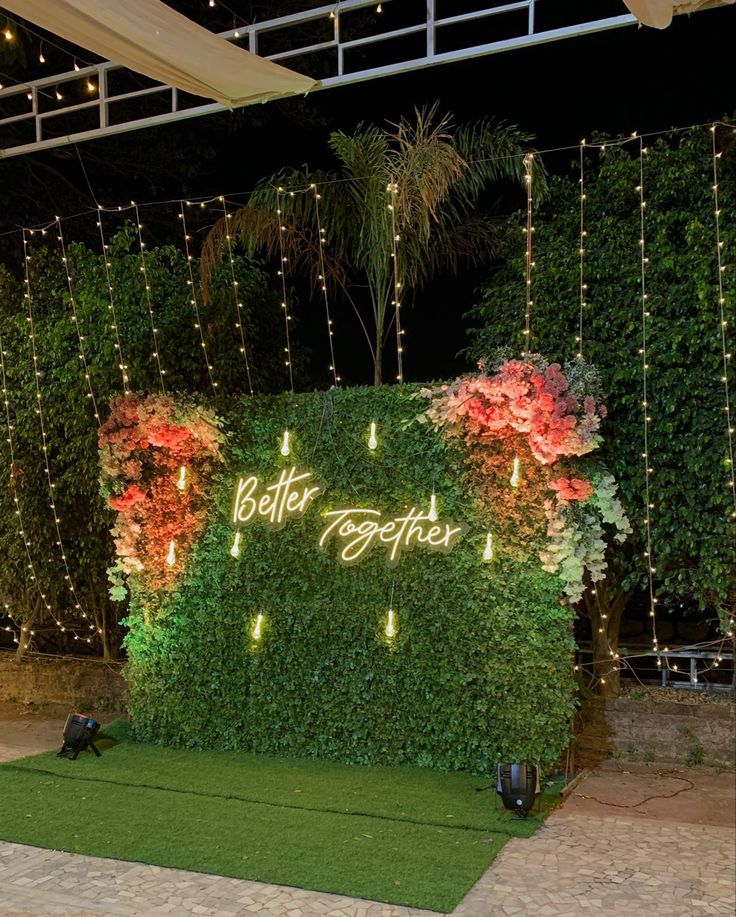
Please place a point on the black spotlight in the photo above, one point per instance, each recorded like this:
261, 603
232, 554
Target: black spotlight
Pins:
518, 785
79, 735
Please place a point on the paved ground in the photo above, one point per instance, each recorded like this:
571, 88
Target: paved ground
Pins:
640, 840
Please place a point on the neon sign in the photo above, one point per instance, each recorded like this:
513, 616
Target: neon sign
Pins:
289, 498
355, 530
359, 530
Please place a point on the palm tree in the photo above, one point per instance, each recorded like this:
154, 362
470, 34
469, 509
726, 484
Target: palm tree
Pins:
400, 207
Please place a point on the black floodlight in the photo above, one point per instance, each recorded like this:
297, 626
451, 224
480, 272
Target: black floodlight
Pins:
518, 786
80, 732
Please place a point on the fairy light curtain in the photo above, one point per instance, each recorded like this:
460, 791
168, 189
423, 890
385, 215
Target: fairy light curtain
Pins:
151, 38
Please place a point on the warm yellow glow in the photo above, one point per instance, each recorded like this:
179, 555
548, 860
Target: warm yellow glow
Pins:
432, 514
182, 482
285, 444
171, 556
362, 529
290, 496
258, 628
391, 624
235, 550
8, 35
372, 441
488, 551
515, 474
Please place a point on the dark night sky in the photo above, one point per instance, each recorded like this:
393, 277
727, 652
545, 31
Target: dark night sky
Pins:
613, 82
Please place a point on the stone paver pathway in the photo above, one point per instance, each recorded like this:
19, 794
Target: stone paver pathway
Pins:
627, 842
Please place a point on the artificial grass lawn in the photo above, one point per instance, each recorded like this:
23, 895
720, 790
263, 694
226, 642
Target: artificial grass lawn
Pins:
404, 835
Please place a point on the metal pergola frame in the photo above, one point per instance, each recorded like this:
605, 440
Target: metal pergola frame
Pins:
45, 111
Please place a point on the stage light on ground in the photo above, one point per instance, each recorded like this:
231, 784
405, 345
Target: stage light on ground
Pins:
80, 732
518, 786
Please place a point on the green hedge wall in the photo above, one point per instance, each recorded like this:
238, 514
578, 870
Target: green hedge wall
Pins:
480, 667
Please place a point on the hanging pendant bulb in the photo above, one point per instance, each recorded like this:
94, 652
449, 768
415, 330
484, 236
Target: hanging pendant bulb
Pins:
235, 549
372, 441
171, 556
182, 482
515, 474
488, 551
391, 624
379, 8
285, 448
258, 628
432, 514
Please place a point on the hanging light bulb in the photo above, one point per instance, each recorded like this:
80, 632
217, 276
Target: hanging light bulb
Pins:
488, 550
171, 556
7, 34
372, 441
258, 628
235, 550
90, 86
379, 8
59, 96
182, 482
41, 58
432, 514
391, 624
515, 475
285, 448
76, 66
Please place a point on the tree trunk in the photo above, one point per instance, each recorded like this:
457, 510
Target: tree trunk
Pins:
605, 614
378, 364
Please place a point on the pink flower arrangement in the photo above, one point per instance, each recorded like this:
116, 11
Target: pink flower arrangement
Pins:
570, 489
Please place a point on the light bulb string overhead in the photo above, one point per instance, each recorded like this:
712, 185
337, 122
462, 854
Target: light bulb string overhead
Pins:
282, 274
149, 300
528, 261
75, 319
322, 278
44, 441
393, 190
723, 323
583, 234
192, 290
644, 352
236, 293
122, 366
234, 196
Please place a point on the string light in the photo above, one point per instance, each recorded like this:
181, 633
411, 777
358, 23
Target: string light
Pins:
645, 315
193, 298
76, 66
182, 482
432, 514
236, 293
379, 8
8, 35
528, 176
285, 447
488, 550
75, 319
149, 300
393, 190
122, 366
516, 473
372, 440
258, 628
171, 556
42, 425
583, 235
282, 275
41, 58
235, 549
58, 95
723, 323
91, 86
322, 277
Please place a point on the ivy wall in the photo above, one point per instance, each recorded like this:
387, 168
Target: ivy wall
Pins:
480, 667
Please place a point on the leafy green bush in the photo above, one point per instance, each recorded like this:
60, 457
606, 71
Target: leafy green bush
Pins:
480, 667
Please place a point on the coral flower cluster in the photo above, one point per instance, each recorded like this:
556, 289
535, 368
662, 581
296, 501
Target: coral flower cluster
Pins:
558, 413
156, 457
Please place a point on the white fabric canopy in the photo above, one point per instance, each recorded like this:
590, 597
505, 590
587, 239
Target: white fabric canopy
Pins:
658, 13
149, 37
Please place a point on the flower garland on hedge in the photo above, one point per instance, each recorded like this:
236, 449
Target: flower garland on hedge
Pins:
559, 413
156, 457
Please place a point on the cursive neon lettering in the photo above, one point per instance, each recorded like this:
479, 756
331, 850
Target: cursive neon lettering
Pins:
288, 498
359, 530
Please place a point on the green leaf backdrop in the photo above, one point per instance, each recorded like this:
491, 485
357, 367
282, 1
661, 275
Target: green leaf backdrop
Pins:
480, 669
